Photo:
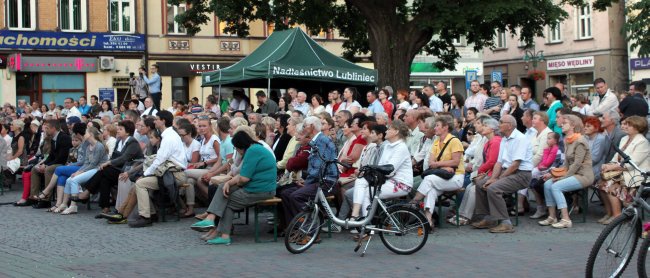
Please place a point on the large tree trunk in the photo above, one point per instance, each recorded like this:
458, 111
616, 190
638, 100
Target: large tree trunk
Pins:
393, 44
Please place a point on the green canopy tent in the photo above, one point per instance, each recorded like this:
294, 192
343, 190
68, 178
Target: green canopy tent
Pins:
290, 58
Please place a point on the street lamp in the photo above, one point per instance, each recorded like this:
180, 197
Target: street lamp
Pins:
532, 56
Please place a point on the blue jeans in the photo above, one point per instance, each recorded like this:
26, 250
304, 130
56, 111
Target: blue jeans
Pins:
553, 192
73, 185
64, 172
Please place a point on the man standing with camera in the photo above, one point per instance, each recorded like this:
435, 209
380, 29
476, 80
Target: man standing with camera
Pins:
138, 86
154, 84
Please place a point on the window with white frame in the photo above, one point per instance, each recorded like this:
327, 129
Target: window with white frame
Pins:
72, 15
21, 14
458, 41
122, 14
500, 40
555, 33
174, 27
584, 21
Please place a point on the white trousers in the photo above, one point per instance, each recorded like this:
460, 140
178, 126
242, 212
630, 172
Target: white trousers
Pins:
388, 190
433, 186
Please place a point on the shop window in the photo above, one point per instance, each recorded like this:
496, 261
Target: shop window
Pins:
180, 89
72, 15
500, 40
58, 87
174, 27
584, 21
21, 14
555, 33
122, 13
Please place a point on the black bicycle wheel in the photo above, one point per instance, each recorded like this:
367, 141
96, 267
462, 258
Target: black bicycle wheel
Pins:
643, 258
302, 231
411, 230
614, 248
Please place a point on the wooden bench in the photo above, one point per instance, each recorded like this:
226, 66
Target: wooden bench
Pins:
273, 204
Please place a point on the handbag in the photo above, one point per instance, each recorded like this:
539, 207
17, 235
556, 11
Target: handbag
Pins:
559, 172
444, 174
616, 175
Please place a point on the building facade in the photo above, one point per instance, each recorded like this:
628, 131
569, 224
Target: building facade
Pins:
69, 48
585, 46
182, 58
423, 70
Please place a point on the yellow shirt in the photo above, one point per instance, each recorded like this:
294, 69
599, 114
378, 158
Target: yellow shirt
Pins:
454, 146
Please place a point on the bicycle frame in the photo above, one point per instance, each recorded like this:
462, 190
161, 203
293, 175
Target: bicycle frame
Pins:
376, 203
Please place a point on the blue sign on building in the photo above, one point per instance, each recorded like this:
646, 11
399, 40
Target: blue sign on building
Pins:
497, 76
470, 75
107, 93
71, 41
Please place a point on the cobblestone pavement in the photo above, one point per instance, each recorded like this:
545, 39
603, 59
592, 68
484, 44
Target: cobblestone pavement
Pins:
34, 243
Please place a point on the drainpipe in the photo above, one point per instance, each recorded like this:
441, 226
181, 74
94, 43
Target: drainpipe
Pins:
146, 35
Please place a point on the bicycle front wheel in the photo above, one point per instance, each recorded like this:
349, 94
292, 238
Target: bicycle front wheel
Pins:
410, 230
302, 231
614, 247
643, 258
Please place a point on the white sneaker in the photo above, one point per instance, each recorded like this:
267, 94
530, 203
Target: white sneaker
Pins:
539, 214
334, 228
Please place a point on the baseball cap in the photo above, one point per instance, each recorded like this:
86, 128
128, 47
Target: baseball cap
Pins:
73, 120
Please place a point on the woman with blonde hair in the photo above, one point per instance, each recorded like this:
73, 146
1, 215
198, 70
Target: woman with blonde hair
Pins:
578, 173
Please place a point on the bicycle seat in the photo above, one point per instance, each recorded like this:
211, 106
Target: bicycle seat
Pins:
382, 169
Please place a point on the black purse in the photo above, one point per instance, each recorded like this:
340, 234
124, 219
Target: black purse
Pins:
443, 174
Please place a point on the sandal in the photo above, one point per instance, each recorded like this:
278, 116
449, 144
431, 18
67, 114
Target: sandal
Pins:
52, 209
60, 209
41, 196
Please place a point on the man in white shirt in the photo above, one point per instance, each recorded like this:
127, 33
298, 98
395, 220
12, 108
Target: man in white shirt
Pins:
171, 151
605, 100
301, 103
149, 109
72, 111
334, 98
414, 140
511, 173
435, 103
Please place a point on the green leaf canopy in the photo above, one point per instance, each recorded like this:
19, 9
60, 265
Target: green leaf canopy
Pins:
287, 56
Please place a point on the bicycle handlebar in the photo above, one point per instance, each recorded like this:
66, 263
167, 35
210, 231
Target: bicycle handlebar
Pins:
628, 160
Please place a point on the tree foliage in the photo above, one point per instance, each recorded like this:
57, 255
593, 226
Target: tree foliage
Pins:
637, 27
394, 31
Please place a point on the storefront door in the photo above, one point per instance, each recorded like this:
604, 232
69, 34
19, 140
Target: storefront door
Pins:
27, 86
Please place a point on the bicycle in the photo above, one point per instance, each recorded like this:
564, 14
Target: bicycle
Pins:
395, 223
616, 243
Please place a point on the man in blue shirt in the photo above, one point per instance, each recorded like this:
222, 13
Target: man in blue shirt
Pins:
527, 97
84, 108
294, 199
374, 105
154, 84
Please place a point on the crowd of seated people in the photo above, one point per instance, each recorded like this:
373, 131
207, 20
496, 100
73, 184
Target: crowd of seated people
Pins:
495, 144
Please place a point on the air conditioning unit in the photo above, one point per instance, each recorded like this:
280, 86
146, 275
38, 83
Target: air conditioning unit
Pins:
106, 63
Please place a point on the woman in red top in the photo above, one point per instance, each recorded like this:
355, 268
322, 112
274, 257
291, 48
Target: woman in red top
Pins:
388, 106
352, 148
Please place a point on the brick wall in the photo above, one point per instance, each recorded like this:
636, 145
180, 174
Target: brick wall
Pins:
2, 15
98, 15
46, 15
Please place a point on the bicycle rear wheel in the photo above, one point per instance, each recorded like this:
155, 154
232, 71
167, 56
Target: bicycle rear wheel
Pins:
614, 248
302, 231
411, 230
642, 261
